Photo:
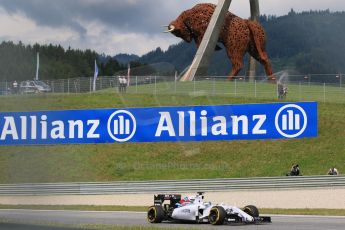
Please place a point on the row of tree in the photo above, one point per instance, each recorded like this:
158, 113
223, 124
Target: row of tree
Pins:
18, 62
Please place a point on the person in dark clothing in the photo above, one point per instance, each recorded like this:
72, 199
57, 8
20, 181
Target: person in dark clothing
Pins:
295, 170
333, 171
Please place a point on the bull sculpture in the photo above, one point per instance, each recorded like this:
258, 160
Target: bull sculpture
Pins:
238, 36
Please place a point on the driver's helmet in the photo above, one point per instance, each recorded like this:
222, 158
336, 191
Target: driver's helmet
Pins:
191, 199
187, 200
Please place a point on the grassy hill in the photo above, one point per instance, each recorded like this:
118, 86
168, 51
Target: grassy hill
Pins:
152, 161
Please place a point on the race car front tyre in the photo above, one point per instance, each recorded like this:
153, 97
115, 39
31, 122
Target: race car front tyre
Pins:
217, 215
251, 210
155, 214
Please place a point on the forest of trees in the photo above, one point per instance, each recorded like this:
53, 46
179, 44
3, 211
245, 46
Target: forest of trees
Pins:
306, 43
18, 62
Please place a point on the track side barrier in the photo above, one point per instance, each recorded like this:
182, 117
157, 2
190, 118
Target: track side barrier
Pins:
265, 183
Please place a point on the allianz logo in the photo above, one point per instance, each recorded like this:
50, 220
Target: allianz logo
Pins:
122, 126
291, 121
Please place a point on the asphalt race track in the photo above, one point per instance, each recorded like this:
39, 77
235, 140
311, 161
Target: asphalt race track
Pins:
279, 222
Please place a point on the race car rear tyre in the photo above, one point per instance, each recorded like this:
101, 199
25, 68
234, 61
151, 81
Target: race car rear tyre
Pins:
251, 210
217, 215
155, 214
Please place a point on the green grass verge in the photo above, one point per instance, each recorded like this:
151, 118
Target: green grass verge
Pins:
22, 224
322, 212
77, 207
157, 161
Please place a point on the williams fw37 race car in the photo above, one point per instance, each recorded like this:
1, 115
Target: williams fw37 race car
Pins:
194, 209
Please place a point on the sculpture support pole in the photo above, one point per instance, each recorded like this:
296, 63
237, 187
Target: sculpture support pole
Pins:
203, 56
255, 16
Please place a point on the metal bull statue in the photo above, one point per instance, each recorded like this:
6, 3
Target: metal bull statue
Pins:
238, 35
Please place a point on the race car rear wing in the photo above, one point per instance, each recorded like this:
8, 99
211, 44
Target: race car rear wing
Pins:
173, 198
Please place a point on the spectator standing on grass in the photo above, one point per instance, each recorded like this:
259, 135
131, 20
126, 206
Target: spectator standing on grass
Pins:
124, 84
333, 171
15, 87
120, 84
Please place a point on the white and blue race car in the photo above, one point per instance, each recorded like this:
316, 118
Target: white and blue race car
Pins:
194, 209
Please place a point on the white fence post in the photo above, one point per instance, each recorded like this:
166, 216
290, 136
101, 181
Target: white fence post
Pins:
255, 89
79, 82
68, 85
75, 86
155, 85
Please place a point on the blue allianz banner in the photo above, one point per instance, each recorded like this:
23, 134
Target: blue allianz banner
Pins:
161, 124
